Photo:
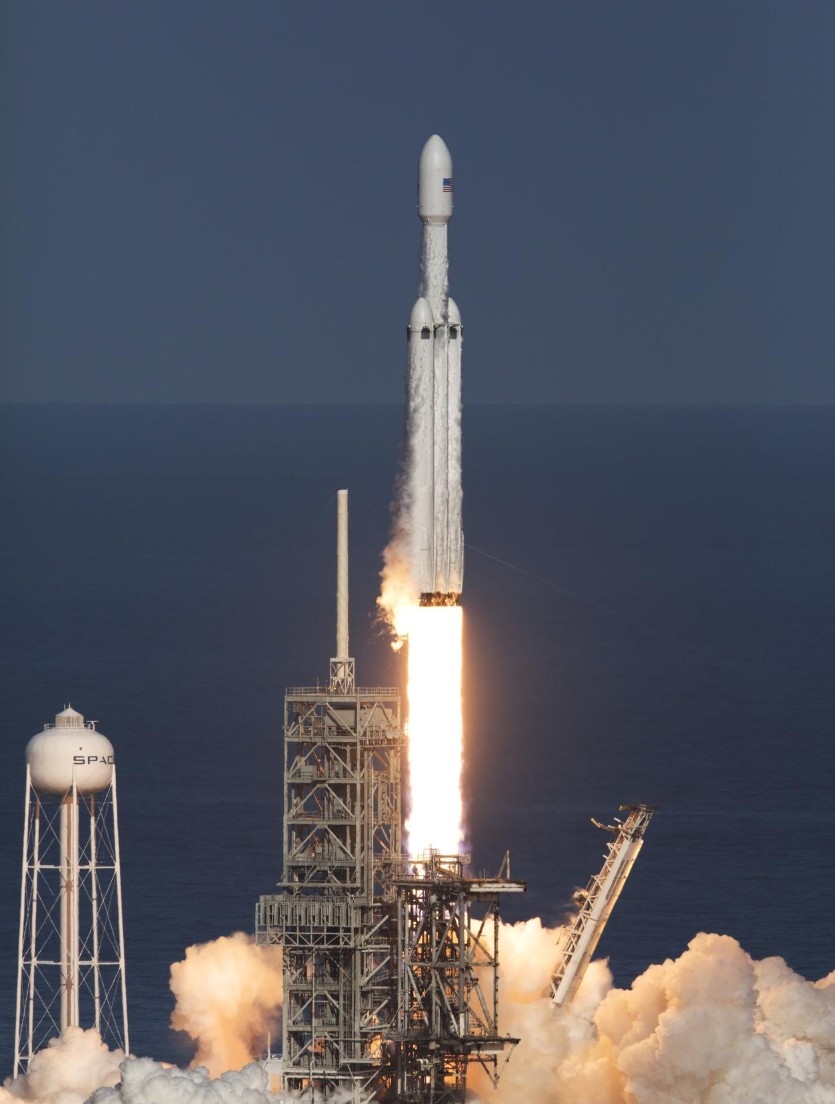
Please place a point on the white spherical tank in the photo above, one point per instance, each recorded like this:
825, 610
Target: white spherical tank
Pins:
70, 751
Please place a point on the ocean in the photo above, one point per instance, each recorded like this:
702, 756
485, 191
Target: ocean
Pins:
649, 616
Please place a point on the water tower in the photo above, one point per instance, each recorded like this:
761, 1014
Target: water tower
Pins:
71, 949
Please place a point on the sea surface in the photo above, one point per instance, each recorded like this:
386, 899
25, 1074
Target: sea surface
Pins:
649, 616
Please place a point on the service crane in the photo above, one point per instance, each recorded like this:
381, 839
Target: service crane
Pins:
598, 899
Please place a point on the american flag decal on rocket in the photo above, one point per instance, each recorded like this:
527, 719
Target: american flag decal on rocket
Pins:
447, 183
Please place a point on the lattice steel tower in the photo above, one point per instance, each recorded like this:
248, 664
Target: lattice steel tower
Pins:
71, 949
342, 842
390, 963
447, 953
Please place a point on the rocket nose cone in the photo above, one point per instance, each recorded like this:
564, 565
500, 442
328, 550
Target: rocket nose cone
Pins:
435, 154
421, 316
435, 181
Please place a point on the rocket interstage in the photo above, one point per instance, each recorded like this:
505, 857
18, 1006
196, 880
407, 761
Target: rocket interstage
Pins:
434, 400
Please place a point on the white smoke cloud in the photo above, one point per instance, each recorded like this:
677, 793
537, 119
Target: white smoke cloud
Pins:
398, 591
713, 1026
710, 1027
66, 1071
147, 1082
228, 999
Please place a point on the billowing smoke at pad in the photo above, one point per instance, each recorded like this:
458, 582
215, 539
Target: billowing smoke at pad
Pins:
78, 1067
228, 1000
67, 1071
711, 1027
228, 995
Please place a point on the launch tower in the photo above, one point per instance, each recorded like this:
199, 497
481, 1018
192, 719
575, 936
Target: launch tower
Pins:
447, 992
389, 963
342, 843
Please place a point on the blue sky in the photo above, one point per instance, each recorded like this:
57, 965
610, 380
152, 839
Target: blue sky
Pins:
215, 202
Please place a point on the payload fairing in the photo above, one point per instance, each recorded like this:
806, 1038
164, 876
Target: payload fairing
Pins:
434, 412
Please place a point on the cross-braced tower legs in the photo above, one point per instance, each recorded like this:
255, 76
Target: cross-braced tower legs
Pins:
71, 946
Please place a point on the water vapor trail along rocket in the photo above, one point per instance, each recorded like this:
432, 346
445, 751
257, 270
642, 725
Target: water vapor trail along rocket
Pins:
434, 400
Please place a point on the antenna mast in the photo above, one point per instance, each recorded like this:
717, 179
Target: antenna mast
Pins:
342, 666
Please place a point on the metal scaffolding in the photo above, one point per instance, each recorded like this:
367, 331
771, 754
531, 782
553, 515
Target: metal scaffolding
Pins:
598, 899
447, 981
71, 946
389, 964
333, 918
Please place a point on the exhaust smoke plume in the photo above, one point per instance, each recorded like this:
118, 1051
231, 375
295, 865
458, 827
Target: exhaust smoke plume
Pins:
228, 999
67, 1071
713, 1026
398, 591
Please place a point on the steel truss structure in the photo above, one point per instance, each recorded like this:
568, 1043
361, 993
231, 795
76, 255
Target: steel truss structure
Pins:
71, 947
389, 965
447, 973
597, 901
333, 918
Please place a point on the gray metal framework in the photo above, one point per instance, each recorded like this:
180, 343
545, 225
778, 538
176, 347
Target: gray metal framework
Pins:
597, 901
390, 965
448, 958
333, 916
383, 957
71, 944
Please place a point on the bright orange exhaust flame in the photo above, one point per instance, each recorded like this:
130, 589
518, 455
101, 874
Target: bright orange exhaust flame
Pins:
435, 727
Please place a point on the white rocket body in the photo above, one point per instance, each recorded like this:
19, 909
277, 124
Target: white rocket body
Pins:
435, 339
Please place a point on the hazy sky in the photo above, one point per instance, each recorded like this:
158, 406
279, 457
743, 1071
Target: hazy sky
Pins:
207, 201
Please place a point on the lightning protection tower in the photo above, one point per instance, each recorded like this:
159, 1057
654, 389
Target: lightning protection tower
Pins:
334, 911
71, 948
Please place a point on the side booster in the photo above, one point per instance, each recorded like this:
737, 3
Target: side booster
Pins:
434, 399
